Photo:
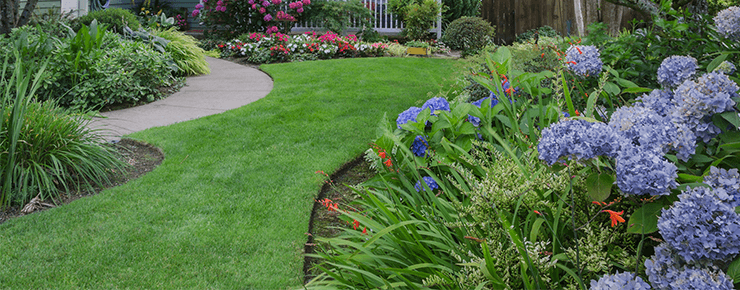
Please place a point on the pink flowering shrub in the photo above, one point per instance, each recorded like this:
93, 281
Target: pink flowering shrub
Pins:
234, 17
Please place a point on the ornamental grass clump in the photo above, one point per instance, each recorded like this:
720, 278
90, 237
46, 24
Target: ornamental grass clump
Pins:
728, 23
583, 60
186, 53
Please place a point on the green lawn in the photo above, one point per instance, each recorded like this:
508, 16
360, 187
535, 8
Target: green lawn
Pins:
229, 206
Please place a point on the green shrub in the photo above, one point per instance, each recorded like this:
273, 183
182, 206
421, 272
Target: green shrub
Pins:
43, 148
468, 34
190, 58
338, 15
542, 31
116, 17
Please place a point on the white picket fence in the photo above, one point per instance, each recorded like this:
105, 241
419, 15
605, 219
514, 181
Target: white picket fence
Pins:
385, 21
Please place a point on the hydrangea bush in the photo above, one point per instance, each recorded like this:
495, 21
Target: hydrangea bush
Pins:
583, 60
728, 23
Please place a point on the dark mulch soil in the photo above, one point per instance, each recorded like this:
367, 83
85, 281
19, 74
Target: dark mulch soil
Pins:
325, 223
141, 156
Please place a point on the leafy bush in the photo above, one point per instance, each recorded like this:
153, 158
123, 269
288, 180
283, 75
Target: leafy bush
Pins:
115, 17
338, 15
468, 34
190, 58
419, 17
44, 149
544, 31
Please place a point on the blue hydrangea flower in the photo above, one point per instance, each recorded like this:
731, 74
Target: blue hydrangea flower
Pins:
674, 70
494, 101
725, 184
474, 120
728, 23
429, 181
408, 115
624, 281
642, 171
668, 271
583, 60
419, 147
436, 104
697, 101
726, 67
660, 101
700, 226
578, 139
647, 129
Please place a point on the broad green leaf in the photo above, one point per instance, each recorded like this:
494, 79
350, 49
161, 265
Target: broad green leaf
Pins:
716, 62
626, 83
734, 270
599, 186
684, 178
636, 90
732, 117
611, 88
645, 219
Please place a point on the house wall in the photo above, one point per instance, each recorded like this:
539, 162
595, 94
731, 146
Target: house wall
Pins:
43, 6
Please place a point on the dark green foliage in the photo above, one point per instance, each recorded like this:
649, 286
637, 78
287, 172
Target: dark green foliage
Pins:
116, 17
542, 31
459, 8
468, 34
637, 55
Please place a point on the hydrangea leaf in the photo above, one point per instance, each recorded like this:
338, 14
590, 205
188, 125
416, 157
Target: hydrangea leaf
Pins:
599, 186
645, 219
625, 83
732, 117
716, 61
636, 90
611, 88
734, 270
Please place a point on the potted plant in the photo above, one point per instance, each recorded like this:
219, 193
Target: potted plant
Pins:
418, 48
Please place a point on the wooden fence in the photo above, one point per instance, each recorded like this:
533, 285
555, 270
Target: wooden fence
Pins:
569, 17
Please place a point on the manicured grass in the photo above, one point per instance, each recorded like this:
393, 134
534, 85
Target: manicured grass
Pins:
229, 206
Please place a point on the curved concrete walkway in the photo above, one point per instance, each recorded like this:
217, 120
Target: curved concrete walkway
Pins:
229, 86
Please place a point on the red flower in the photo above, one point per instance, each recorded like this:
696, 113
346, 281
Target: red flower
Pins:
364, 231
382, 154
355, 224
388, 163
615, 216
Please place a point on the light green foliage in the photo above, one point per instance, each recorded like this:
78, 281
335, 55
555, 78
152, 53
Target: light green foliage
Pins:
468, 34
418, 15
397, 50
116, 17
598, 250
530, 57
336, 16
43, 149
186, 53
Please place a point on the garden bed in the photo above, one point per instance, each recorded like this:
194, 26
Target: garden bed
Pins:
141, 157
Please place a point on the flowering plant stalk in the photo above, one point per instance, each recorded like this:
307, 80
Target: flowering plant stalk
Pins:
230, 18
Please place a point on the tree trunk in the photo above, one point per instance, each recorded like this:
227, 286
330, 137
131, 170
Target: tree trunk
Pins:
27, 12
578, 9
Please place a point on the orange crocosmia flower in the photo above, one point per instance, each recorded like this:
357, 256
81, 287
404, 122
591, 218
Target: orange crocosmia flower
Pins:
364, 231
382, 154
615, 216
388, 163
355, 224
